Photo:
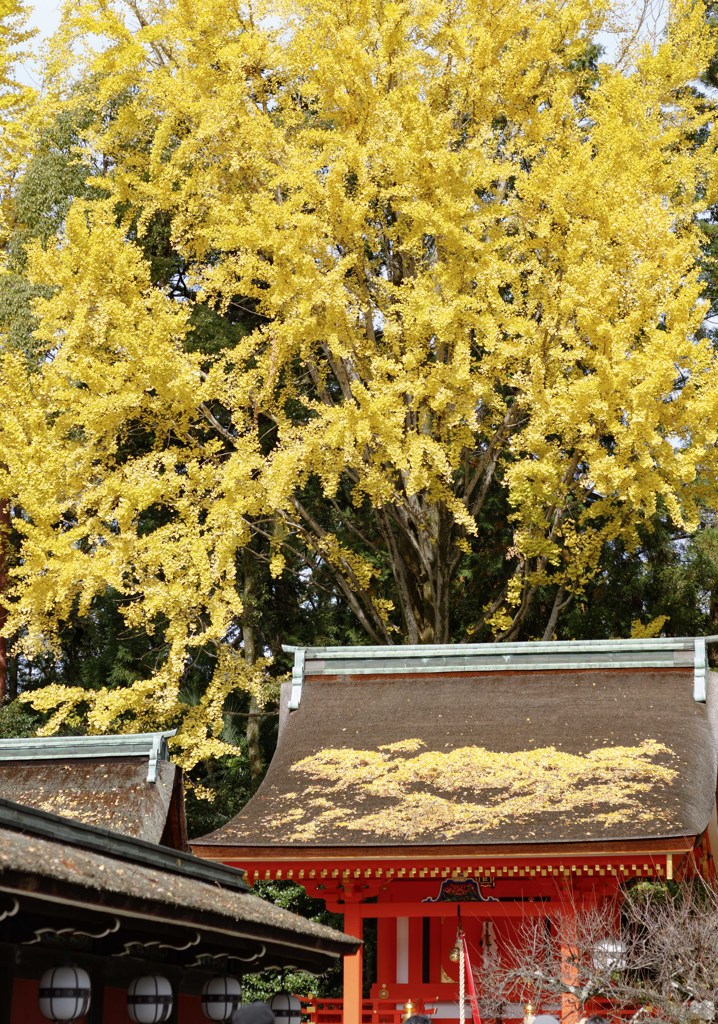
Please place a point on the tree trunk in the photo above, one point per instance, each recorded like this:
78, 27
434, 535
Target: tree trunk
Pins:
560, 602
421, 540
249, 617
4, 549
12, 677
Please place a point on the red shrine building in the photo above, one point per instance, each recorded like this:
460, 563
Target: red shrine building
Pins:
411, 784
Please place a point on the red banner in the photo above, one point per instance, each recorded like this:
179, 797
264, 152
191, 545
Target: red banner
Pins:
470, 983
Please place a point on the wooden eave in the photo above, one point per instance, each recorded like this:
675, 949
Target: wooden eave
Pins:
262, 943
623, 859
59, 870
322, 854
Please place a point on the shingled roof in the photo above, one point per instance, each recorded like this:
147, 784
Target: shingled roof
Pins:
489, 745
125, 783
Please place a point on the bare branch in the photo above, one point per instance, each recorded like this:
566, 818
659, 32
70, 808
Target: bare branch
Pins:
212, 419
652, 953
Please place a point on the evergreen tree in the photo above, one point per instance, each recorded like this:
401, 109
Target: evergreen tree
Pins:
370, 312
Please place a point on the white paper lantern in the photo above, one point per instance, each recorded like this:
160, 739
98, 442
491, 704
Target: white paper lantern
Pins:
286, 1008
609, 955
149, 999
702, 1009
65, 993
221, 996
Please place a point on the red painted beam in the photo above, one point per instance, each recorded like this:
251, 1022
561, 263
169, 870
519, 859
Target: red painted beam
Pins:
487, 911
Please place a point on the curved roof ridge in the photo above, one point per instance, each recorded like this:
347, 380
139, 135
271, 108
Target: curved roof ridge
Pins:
152, 745
533, 655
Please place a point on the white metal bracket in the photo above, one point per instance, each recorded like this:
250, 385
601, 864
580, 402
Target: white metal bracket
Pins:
297, 676
700, 666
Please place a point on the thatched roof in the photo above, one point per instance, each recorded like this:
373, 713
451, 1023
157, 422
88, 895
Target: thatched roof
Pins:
477, 758
128, 896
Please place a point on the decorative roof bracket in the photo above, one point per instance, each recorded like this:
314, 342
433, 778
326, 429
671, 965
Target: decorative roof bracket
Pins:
700, 667
297, 675
159, 751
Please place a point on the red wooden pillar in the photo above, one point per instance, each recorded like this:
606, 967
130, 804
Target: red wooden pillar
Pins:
385, 952
353, 967
416, 937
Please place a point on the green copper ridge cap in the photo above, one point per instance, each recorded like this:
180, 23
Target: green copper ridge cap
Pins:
538, 656
153, 745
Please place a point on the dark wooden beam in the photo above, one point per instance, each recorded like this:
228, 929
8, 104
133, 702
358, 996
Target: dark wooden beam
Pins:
310, 856
97, 1003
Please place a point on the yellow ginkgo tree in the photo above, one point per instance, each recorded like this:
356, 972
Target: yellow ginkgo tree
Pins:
15, 98
467, 253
